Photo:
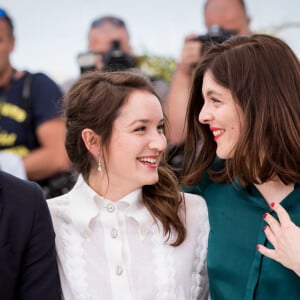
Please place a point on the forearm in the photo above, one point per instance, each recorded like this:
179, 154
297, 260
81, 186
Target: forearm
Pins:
51, 157
45, 162
176, 104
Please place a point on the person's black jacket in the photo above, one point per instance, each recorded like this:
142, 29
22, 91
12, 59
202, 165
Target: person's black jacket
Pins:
28, 268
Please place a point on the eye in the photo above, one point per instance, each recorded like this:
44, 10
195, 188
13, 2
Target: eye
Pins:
140, 129
161, 128
215, 100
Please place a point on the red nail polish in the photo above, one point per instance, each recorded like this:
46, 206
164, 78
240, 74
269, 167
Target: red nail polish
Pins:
265, 227
265, 215
257, 247
272, 204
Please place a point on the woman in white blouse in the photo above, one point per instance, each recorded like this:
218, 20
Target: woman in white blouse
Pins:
125, 231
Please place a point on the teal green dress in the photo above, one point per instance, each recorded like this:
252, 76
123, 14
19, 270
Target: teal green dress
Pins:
237, 271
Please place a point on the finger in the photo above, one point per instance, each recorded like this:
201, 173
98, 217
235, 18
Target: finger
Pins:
270, 236
281, 213
190, 37
272, 222
267, 252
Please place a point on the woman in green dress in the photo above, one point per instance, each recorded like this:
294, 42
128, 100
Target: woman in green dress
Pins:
245, 111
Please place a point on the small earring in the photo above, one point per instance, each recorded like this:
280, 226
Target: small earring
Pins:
99, 164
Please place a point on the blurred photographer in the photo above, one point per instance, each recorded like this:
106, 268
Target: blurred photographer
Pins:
223, 18
108, 45
109, 50
31, 129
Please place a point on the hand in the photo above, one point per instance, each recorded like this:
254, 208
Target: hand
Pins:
190, 53
285, 237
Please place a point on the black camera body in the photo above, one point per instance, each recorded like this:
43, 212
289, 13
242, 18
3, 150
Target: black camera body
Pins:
216, 34
114, 60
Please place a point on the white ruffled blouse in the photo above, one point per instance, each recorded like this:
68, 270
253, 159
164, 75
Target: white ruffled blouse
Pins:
114, 250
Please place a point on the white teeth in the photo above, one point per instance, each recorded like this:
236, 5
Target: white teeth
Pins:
148, 160
218, 132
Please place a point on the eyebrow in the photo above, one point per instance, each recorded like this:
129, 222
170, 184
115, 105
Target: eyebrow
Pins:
145, 121
211, 92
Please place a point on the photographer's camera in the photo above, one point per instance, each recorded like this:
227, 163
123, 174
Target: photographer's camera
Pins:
113, 60
216, 34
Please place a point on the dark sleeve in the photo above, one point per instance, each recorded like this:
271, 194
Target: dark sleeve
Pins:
46, 99
39, 273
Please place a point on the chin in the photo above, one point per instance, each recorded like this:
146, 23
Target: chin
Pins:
151, 181
222, 155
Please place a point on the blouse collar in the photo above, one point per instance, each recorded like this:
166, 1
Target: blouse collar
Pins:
86, 204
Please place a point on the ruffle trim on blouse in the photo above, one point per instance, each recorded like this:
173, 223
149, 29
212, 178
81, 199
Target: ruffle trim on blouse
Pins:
164, 267
199, 276
74, 264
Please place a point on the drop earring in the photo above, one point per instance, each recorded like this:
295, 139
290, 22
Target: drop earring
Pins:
99, 163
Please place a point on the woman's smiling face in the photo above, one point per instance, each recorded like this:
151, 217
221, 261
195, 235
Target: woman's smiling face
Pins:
137, 143
223, 115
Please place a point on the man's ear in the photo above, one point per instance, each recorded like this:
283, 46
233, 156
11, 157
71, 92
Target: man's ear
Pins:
12, 44
92, 141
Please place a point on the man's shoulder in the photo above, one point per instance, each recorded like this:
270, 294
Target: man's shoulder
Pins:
18, 192
8, 180
40, 81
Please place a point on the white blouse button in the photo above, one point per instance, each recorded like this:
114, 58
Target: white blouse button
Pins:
119, 270
110, 208
114, 233
86, 234
143, 230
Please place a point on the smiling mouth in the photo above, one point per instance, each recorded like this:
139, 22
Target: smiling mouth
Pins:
149, 161
217, 133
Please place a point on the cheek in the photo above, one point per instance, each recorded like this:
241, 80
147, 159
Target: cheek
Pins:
126, 147
237, 122
235, 132
165, 142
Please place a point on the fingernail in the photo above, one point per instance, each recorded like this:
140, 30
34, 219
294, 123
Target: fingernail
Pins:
257, 247
265, 215
272, 204
265, 227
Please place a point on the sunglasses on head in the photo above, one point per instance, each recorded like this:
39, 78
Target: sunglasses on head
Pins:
108, 19
3, 13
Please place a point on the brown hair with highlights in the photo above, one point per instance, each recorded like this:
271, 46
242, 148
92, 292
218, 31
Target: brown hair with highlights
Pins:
94, 102
263, 75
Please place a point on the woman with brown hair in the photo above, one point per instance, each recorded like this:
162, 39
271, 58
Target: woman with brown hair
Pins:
245, 109
125, 231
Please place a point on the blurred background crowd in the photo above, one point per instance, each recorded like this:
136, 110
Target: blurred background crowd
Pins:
50, 34
59, 40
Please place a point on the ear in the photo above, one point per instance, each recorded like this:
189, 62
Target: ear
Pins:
92, 141
12, 45
248, 20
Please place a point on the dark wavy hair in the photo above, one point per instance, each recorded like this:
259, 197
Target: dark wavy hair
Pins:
94, 102
263, 75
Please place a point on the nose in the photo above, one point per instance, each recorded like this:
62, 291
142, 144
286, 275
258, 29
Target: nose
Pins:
205, 116
158, 141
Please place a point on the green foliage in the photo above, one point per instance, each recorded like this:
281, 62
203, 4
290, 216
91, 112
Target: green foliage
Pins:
156, 66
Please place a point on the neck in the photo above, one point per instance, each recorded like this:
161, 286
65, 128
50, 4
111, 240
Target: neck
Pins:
100, 184
274, 190
6, 75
